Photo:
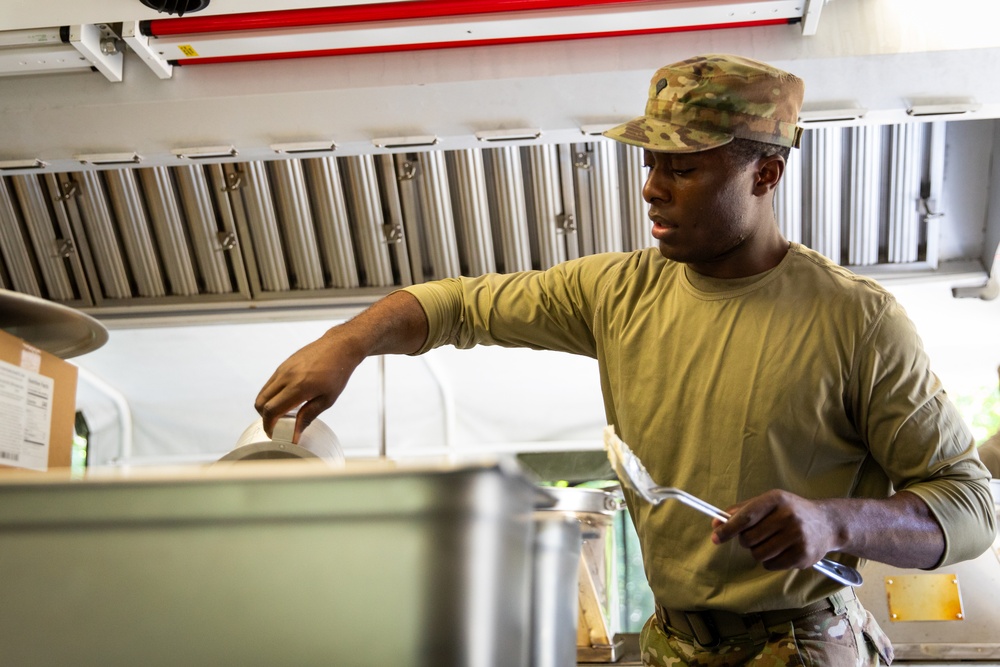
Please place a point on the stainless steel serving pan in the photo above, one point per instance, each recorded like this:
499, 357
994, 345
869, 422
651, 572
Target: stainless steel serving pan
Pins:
270, 563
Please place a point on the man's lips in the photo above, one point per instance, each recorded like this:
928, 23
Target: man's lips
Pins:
661, 227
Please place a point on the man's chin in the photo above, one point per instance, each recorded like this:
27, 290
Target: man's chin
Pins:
670, 252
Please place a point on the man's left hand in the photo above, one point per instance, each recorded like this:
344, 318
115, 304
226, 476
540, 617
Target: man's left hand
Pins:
781, 530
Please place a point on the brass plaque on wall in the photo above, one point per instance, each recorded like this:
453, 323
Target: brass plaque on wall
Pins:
924, 597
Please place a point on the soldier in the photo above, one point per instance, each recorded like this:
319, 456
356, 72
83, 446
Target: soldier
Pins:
750, 371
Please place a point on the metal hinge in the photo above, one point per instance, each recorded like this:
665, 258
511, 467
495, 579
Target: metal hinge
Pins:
566, 223
227, 240
234, 181
68, 190
65, 248
393, 232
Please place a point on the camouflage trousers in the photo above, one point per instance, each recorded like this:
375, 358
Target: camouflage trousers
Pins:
845, 636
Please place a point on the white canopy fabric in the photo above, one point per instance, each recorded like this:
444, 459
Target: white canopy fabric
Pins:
190, 391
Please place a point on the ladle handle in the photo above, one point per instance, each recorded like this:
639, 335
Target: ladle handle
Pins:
839, 572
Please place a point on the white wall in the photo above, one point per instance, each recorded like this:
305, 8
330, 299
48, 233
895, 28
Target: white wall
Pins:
967, 195
992, 231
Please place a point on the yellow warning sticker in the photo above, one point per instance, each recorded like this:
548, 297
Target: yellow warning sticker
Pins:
188, 50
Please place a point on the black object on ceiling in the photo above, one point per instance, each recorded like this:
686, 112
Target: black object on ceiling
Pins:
178, 7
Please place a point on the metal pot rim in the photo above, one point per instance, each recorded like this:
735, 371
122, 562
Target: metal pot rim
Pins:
584, 500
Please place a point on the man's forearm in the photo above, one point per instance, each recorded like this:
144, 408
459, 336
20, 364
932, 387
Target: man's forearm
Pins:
314, 377
396, 324
899, 530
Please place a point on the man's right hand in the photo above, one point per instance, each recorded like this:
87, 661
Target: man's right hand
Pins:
314, 377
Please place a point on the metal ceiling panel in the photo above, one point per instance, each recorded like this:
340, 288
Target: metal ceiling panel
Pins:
472, 212
102, 238
302, 232
864, 175
296, 224
546, 203
255, 208
49, 252
788, 198
19, 274
906, 171
165, 218
635, 220
510, 219
605, 204
368, 221
134, 229
825, 168
208, 242
329, 208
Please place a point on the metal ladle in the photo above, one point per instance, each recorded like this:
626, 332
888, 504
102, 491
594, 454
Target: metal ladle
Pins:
631, 471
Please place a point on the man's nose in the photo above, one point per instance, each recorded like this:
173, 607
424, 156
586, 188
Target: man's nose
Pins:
654, 188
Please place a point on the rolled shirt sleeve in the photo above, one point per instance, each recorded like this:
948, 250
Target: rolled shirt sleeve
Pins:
919, 439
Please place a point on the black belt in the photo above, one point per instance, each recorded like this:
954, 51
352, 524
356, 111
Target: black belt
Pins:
710, 628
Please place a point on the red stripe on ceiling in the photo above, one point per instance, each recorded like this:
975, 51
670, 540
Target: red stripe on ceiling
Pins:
449, 45
385, 11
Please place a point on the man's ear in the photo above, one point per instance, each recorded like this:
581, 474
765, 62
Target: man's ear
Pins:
769, 172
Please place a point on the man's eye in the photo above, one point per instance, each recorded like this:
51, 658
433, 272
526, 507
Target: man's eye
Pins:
681, 172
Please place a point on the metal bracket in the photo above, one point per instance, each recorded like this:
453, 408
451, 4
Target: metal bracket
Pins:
234, 181
91, 40
139, 43
407, 171
582, 160
393, 232
68, 190
566, 223
65, 248
810, 16
926, 207
227, 240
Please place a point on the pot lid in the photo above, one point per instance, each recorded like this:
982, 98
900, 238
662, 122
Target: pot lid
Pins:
52, 327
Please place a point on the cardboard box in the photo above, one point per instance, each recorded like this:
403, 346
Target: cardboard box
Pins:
37, 407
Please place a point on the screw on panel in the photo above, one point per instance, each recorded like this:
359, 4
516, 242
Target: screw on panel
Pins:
65, 248
393, 232
227, 240
110, 46
581, 161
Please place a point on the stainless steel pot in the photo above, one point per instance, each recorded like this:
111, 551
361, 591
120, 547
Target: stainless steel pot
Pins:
595, 571
554, 595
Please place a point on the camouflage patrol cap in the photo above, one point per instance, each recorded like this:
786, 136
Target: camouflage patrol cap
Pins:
705, 101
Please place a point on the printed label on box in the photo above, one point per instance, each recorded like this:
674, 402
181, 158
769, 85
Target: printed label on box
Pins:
26, 413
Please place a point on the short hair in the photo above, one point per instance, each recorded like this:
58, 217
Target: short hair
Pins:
745, 151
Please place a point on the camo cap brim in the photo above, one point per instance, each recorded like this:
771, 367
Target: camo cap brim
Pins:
706, 101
